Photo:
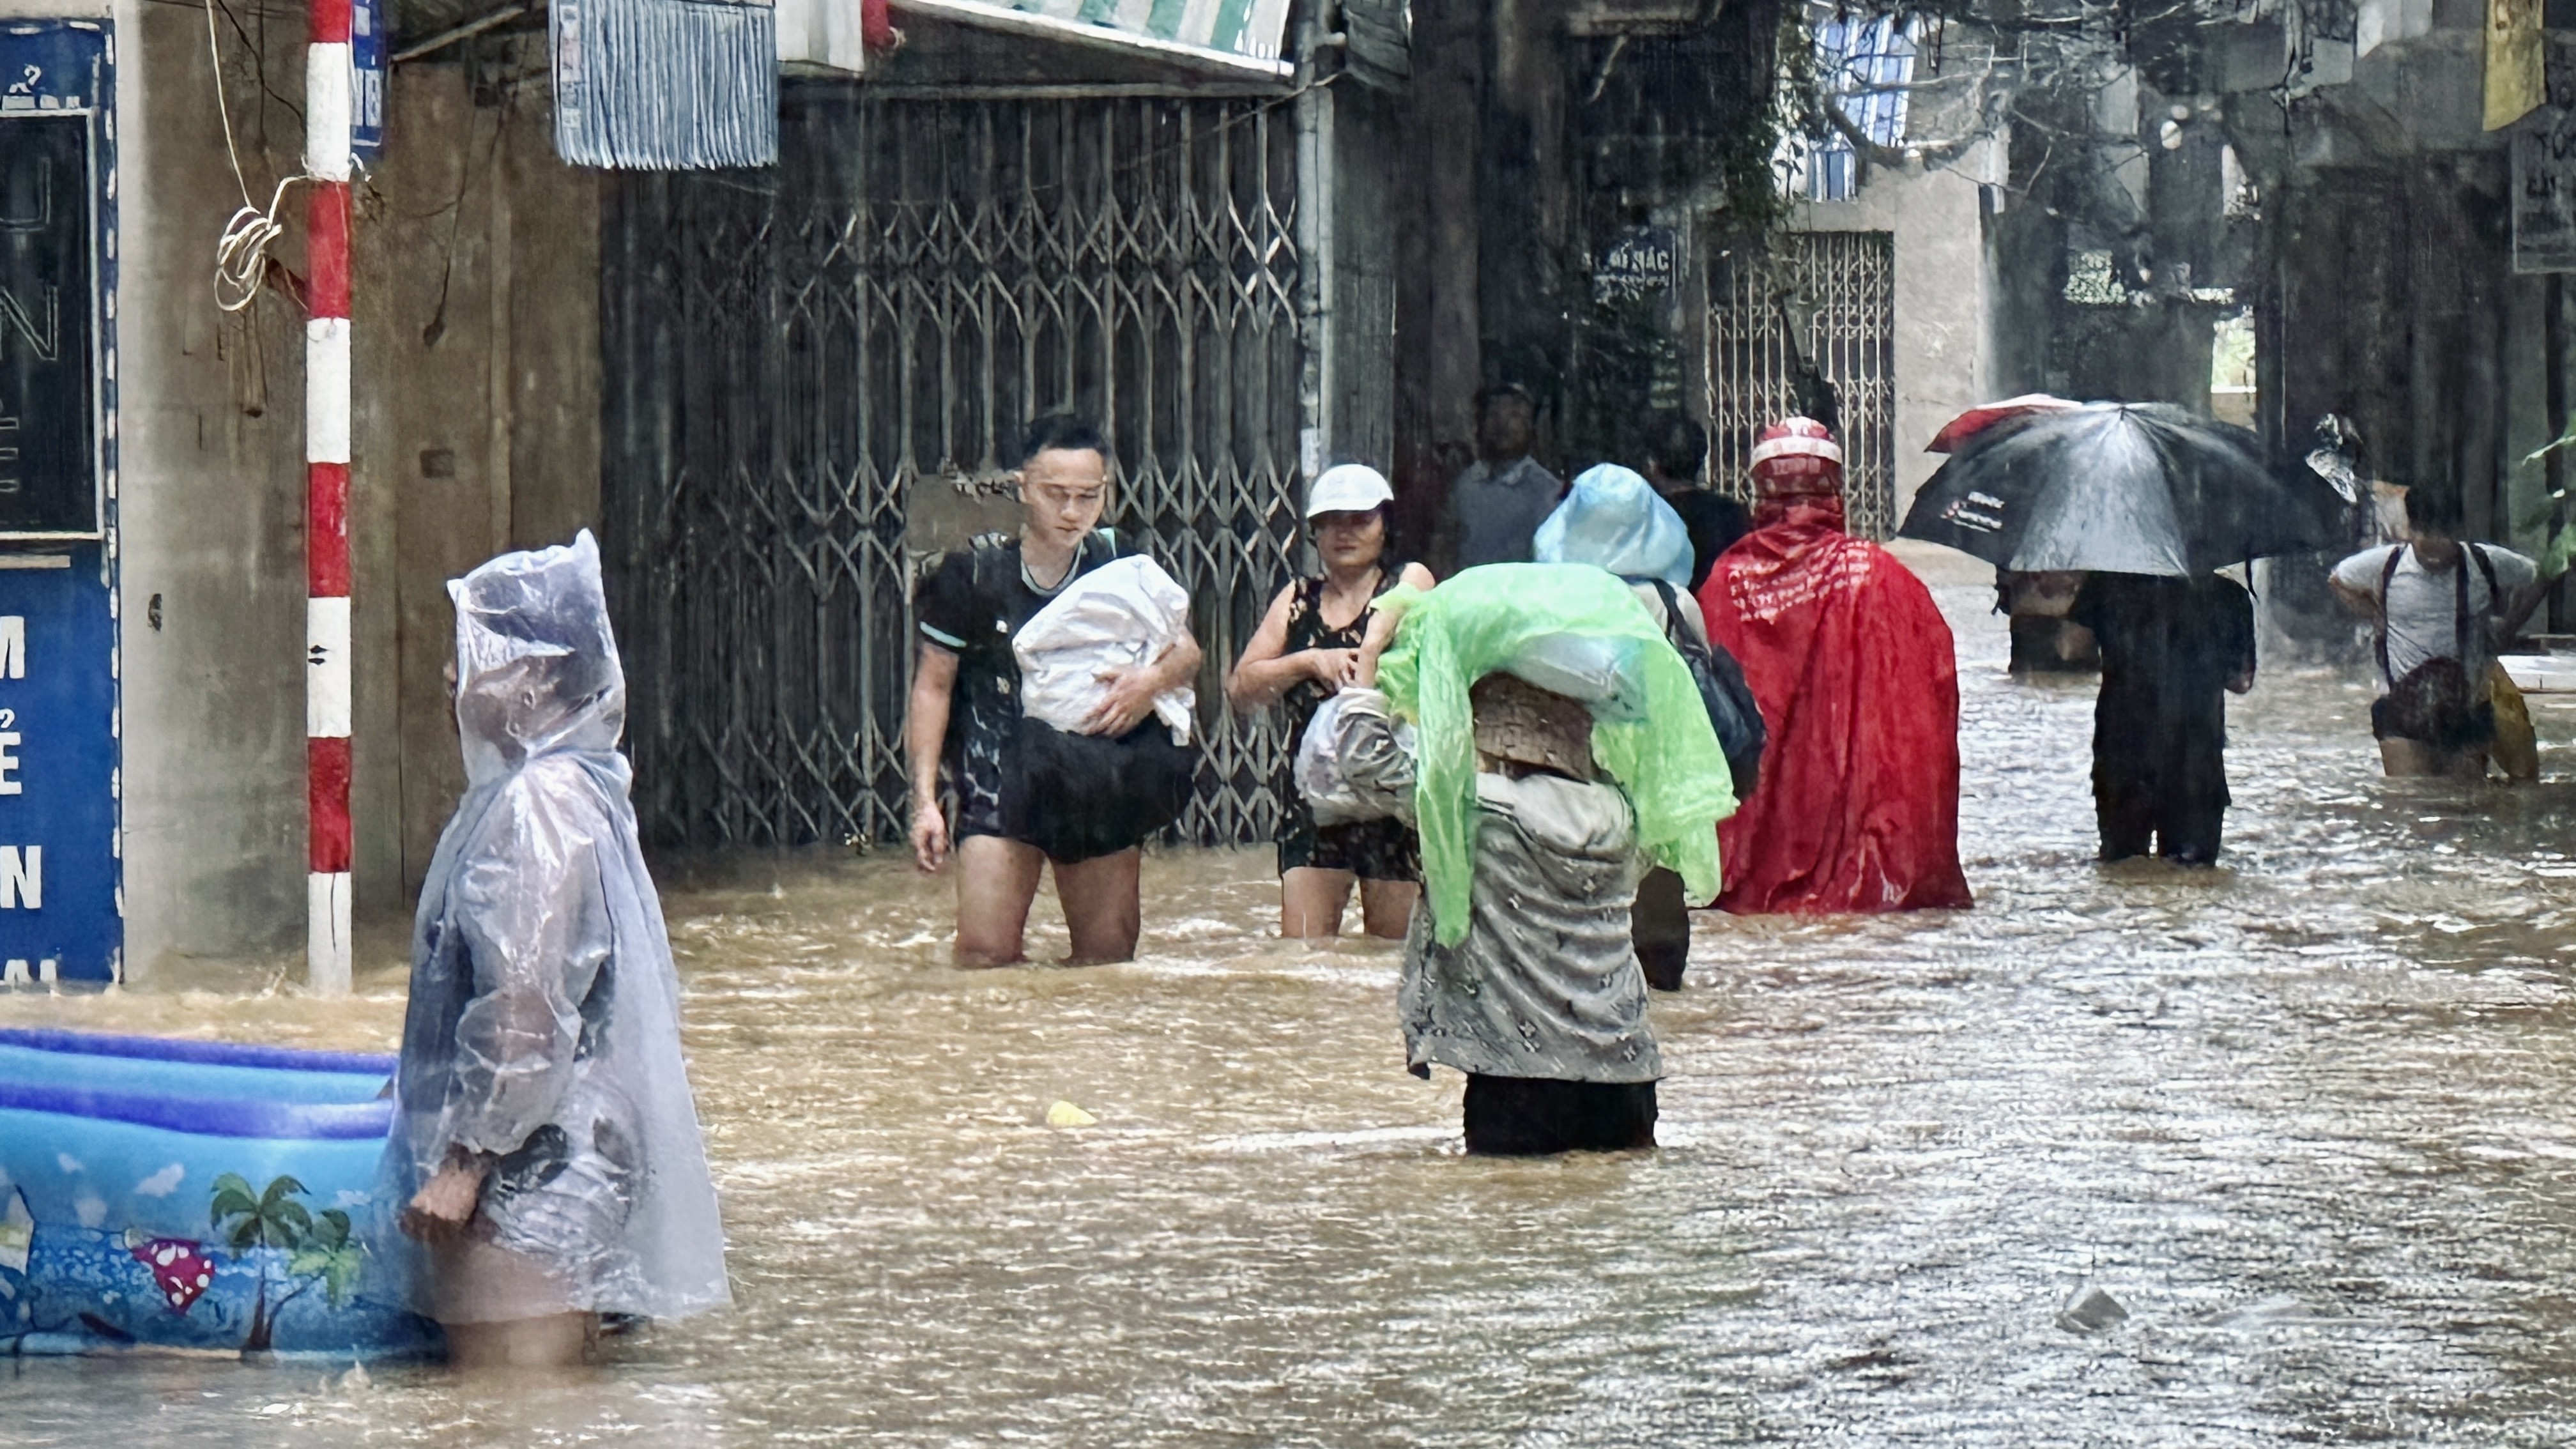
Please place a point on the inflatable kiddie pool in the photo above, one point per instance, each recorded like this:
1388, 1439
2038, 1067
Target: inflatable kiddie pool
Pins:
186, 1195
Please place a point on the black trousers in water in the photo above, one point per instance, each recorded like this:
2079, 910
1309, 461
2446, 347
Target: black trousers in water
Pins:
2170, 648
1537, 1116
1660, 924
2179, 821
2160, 775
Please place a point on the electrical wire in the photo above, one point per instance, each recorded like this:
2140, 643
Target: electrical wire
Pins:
241, 253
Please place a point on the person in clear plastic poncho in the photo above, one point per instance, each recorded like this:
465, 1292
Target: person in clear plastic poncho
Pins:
545, 1146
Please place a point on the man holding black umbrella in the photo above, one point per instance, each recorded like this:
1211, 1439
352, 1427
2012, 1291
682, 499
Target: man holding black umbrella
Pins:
2150, 501
2173, 649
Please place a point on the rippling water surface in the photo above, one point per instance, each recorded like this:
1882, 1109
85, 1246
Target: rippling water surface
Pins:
2311, 1119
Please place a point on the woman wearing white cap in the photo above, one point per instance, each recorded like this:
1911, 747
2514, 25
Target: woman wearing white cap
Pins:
1304, 653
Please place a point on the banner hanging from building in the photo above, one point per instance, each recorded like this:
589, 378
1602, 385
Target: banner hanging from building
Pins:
2515, 82
1245, 36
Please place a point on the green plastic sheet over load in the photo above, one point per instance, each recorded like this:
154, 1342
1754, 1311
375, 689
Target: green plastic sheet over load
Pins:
1481, 622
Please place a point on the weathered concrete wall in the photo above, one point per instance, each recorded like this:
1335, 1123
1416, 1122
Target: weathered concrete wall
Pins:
1945, 295
477, 417
210, 425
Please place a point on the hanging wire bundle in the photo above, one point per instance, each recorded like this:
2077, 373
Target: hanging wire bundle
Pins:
665, 85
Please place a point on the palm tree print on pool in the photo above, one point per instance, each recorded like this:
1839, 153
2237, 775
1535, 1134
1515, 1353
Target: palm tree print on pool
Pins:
318, 1246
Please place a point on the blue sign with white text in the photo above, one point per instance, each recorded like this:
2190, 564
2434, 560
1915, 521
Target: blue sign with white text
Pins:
58, 785
61, 915
367, 77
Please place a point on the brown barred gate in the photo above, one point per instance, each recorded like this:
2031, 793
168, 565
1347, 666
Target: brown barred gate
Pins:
1827, 300
815, 376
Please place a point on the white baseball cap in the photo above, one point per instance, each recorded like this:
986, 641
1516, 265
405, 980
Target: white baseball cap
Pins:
1348, 488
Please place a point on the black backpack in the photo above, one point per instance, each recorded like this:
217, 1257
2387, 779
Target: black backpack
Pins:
2437, 702
1731, 706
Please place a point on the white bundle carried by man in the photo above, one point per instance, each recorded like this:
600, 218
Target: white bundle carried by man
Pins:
1120, 616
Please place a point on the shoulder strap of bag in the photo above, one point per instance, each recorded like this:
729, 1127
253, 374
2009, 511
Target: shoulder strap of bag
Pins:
2379, 639
2463, 623
1674, 633
2495, 593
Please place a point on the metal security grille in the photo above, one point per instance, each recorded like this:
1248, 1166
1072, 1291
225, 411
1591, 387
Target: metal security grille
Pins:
806, 367
1824, 301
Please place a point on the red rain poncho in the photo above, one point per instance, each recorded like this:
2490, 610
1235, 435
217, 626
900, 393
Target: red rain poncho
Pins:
1858, 808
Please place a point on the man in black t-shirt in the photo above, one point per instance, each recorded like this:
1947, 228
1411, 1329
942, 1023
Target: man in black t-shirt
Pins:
1677, 453
966, 707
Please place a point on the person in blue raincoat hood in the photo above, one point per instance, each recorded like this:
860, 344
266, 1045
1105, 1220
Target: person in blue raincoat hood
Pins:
545, 1144
1612, 518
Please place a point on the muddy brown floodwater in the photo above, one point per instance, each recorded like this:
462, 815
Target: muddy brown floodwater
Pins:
2311, 1119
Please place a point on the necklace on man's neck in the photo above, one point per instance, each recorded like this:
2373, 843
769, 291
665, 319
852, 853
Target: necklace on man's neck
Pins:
1063, 573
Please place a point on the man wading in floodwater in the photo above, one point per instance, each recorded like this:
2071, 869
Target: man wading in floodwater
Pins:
2173, 649
2439, 606
1499, 502
966, 709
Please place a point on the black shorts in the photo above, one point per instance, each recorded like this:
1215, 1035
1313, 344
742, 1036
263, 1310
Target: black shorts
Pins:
1534, 1117
1074, 797
979, 796
1369, 849
2474, 730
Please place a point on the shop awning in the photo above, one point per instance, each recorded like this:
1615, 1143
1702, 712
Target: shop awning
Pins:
1245, 39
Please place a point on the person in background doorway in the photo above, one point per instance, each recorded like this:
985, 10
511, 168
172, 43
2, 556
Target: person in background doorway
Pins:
966, 707
1498, 503
2439, 607
2046, 639
545, 1147
1676, 459
1859, 685
1303, 653
2172, 651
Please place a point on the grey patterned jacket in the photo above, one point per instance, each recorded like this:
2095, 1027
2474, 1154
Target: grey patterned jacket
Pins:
1546, 983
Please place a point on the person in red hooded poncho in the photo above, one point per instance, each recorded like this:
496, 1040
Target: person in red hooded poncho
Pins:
1858, 806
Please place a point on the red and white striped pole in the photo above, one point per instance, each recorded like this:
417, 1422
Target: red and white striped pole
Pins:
327, 116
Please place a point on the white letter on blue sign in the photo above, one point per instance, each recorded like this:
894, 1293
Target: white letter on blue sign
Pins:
22, 878
13, 646
9, 765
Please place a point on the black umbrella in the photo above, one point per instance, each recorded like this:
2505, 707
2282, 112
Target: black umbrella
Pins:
2130, 488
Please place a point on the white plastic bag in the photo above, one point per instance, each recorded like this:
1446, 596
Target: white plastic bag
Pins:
1117, 617
1607, 674
1319, 771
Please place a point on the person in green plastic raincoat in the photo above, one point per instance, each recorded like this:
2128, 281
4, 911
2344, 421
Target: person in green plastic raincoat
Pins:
1561, 750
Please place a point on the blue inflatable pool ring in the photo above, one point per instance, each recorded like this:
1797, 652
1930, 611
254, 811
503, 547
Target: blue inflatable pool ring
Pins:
164, 1194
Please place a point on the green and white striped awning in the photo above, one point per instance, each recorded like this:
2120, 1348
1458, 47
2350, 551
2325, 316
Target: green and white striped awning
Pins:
1244, 37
